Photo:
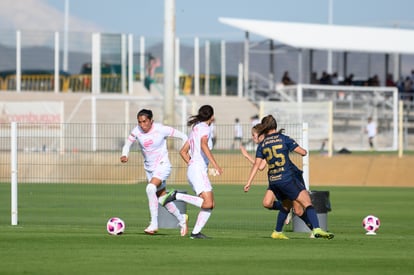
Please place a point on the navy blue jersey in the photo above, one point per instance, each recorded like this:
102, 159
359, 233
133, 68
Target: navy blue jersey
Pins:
275, 149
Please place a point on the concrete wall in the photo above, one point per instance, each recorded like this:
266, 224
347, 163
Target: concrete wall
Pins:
105, 167
362, 170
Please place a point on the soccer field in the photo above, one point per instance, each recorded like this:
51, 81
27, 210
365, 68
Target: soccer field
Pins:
62, 231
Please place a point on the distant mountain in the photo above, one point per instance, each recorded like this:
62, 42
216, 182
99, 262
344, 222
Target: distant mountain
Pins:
362, 65
38, 15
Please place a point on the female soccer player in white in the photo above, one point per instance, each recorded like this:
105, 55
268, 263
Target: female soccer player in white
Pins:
151, 138
196, 153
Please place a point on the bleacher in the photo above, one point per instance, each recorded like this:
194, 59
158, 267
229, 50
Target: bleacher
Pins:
350, 112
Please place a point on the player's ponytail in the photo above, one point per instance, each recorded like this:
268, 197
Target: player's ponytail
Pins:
204, 113
268, 123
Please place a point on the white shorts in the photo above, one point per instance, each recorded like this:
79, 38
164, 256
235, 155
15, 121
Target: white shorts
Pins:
198, 178
162, 172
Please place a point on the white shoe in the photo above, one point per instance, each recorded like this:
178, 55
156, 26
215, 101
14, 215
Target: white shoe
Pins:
151, 230
184, 226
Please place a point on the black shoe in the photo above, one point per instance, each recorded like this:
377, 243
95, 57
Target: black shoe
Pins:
169, 197
199, 236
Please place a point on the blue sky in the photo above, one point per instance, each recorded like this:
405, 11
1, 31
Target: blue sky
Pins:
200, 18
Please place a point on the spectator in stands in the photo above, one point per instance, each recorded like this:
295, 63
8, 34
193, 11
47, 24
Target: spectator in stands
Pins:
286, 79
373, 81
334, 79
349, 79
325, 79
390, 81
412, 84
408, 88
400, 86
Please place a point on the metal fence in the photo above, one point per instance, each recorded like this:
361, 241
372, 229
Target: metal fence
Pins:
68, 153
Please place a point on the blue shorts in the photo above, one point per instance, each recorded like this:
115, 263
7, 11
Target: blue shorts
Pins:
290, 190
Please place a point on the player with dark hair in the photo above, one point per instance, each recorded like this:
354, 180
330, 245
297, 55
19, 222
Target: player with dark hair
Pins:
285, 179
151, 137
196, 152
269, 200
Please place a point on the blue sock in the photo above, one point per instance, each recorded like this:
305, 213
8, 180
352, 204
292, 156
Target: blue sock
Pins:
311, 214
306, 220
281, 217
277, 205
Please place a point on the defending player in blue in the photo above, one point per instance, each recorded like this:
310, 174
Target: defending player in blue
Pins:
285, 179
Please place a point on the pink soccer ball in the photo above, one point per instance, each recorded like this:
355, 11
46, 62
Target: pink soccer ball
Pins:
115, 226
371, 223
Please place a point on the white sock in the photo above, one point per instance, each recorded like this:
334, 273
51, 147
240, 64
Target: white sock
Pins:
202, 219
173, 209
153, 204
193, 200
161, 198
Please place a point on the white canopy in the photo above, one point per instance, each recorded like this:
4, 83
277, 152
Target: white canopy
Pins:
330, 37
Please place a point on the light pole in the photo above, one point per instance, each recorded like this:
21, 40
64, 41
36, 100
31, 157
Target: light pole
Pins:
65, 36
168, 64
330, 21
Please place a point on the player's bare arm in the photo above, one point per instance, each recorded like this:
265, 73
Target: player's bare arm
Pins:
209, 155
253, 172
184, 152
300, 151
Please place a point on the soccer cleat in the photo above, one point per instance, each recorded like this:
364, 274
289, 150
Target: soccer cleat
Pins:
184, 226
198, 236
319, 233
150, 230
169, 197
279, 235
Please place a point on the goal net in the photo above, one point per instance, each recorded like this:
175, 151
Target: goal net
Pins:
348, 116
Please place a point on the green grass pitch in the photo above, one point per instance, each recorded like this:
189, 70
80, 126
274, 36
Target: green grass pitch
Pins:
62, 231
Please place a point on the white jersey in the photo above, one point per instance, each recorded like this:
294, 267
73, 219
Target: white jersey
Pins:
238, 130
153, 144
371, 129
199, 130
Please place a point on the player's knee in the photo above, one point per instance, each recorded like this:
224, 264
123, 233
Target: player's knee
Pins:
298, 211
268, 200
267, 204
151, 188
208, 204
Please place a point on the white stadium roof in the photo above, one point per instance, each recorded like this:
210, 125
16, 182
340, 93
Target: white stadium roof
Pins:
330, 37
